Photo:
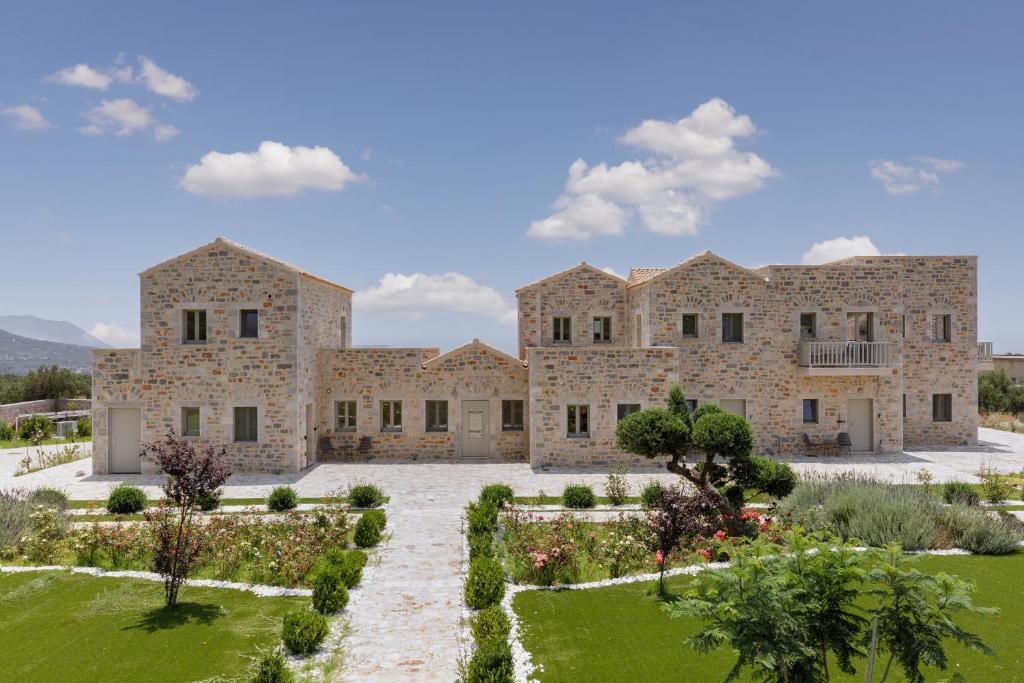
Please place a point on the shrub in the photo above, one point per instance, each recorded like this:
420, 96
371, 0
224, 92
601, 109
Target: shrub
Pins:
36, 425
975, 530
49, 497
365, 496
485, 584
616, 485
490, 623
208, 501
126, 500
856, 507
960, 493
491, 663
15, 519
649, 494
6, 431
304, 631
367, 532
83, 426
578, 497
351, 568
499, 494
329, 592
378, 517
270, 667
993, 485
482, 517
480, 545
282, 498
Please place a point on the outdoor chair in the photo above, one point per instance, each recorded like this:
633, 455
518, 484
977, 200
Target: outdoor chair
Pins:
843, 442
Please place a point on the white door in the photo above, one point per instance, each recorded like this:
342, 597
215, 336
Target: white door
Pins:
860, 421
736, 406
476, 433
310, 435
124, 429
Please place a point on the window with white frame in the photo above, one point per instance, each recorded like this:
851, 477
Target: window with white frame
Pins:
602, 329
193, 326
512, 416
437, 416
860, 327
625, 409
391, 416
246, 424
190, 425
345, 412
577, 422
561, 328
732, 328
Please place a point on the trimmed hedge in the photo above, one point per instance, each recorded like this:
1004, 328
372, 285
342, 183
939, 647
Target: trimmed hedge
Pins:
499, 494
329, 592
126, 500
282, 498
304, 631
485, 584
578, 497
491, 663
365, 496
368, 532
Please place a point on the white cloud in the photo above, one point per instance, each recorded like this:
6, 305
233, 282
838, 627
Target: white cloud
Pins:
272, 170
413, 295
121, 117
165, 132
695, 166
165, 83
912, 176
115, 335
840, 248
26, 117
84, 76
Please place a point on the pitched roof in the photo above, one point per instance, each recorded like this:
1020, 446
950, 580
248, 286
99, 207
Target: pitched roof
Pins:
475, 344
693, 260
584, 265
248, 251
638, 275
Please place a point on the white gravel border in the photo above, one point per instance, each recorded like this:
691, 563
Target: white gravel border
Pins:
258, 589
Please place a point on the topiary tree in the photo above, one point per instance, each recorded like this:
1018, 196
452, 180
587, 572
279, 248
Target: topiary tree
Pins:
720, 444
190, 475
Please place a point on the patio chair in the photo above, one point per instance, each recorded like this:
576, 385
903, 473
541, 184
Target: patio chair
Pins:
843, 442
812, 445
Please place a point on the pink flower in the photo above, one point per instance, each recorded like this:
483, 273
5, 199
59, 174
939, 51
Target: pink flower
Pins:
707, 553
659, 558
719, 535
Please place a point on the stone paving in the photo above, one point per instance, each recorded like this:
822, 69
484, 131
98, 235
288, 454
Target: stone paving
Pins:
406, 625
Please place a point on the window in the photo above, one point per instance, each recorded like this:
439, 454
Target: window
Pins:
249, 324
190, 421
903, 326
602, 329
563, 330
344, 330
437, 416
810, 411
690, 325
942, 327
691, 405
732, 327
511, 416
194, 327
624, 409
736, 406
808, 325
391, 416
904, 405
578, 421
638, 324
942, 407
245, 424
346, 416
860, 327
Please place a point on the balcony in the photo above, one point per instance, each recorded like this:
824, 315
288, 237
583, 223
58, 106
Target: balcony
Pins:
985, 356
847, 358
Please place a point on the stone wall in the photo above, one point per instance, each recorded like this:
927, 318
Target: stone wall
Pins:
369, 375
10, 412
116, 383
601, 378
581, 293
1011, 365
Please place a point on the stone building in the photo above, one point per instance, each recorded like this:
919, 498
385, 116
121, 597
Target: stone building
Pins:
254, 354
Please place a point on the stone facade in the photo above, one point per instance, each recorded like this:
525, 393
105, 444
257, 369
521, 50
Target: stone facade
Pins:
666, 326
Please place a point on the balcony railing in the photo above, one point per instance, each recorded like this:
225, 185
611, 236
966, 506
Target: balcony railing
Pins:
848, 354
984, 352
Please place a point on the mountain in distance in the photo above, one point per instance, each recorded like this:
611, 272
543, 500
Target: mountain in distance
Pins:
20, 354
49, 330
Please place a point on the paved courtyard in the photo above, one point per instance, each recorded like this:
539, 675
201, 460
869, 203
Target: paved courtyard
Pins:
405, 626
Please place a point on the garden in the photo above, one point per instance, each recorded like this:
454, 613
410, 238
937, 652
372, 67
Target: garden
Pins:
238, 568
751, 586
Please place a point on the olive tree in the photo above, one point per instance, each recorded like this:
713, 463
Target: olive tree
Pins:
711, 449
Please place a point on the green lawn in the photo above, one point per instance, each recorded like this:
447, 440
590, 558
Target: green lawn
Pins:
25, 443
622, 634
58, 626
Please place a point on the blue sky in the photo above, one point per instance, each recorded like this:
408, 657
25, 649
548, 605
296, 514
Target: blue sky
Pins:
425, 139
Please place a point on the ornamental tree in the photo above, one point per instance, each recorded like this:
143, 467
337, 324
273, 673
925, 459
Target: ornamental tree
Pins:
711, 449
190, 475
677, 515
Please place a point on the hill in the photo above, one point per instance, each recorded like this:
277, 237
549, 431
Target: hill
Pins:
20, 354
49, 330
